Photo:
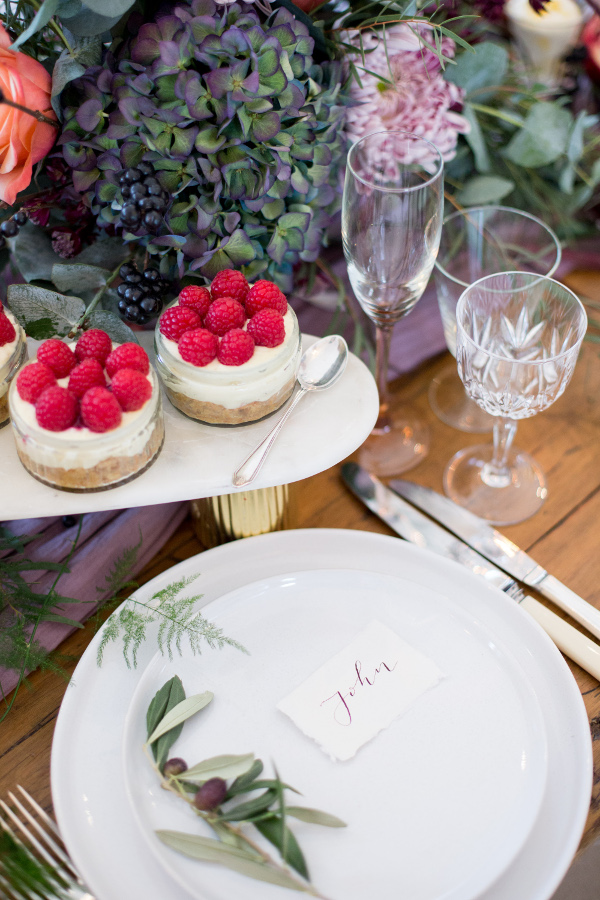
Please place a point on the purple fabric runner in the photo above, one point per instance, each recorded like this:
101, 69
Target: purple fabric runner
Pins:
104, 538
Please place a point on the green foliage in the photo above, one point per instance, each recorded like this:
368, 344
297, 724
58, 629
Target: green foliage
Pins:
242, 804
177, 619
26, 875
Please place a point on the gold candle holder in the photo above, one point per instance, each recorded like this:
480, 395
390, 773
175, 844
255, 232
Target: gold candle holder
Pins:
229, 517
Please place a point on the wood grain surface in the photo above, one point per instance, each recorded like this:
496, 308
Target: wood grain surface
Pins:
563, 537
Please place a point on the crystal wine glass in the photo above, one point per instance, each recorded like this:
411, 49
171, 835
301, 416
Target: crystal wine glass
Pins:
391, 224
518, 338
479, 241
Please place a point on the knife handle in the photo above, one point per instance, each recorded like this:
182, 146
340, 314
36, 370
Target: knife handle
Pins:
582, 611
571, 642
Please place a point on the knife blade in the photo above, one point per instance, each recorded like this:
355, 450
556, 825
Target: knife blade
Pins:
496, 547
415, 527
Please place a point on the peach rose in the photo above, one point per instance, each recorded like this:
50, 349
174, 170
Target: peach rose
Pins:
23, 140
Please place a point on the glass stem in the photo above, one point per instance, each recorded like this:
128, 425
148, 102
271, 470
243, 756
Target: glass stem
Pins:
383, 338
497, 472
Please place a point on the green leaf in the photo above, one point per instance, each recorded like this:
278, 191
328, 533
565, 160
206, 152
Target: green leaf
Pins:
314, 816
226, 766
30, 304
106, 254
85, 51
483, 189
109, 7
33, 254
180, 713
77, 277
88, 23
209, 850
543, 138
278, 834
251, 808
168, 696
485, 65
115, 328
242, 782
476, 141
41, 329
41, 18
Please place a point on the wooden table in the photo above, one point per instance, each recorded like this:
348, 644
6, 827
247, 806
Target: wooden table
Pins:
563, 537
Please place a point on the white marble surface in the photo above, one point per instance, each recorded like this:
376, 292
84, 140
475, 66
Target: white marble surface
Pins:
198, 460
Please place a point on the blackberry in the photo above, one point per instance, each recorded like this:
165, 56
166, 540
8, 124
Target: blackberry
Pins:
10, 227
140, 293
144, 199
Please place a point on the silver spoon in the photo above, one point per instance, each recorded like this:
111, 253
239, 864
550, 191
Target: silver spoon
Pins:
320, 367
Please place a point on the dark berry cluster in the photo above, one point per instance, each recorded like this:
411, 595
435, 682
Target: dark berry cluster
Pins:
144, 199
141, 293
10, 227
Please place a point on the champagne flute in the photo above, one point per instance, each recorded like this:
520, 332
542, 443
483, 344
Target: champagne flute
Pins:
517, 341
391, 225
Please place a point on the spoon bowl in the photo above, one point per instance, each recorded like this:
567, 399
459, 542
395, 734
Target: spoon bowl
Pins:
322, 364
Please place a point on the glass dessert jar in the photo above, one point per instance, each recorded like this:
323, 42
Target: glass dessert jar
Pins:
12, 356
80, 460
231, 395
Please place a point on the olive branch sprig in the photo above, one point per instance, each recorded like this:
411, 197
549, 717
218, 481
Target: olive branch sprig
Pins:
228, 794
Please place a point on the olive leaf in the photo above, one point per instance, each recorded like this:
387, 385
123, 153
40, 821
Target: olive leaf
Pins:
314, 816
178, 714
240, 785
32, 305
163, 701
225, 767
242, 861
277, 833
247, 811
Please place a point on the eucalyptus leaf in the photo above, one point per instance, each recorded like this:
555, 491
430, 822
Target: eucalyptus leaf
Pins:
314, 816
107, 254
209, 850
484, 65
180, 713
476, 141
88, 23
543, 138
109, 7
31, 304
33, 254
225, 767
41, 18
78, 277
115, 328
483, 189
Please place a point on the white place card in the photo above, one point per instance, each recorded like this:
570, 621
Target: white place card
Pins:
360, 691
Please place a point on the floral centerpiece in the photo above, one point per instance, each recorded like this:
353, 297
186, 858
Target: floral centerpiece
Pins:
197, 135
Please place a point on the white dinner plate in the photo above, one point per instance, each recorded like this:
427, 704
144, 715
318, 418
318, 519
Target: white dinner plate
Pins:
450, 815
444, 611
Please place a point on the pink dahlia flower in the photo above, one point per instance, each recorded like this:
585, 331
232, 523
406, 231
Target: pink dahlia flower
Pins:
420, 100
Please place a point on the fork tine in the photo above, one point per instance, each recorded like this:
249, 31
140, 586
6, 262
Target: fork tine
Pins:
49, 841
50, 823
23, 830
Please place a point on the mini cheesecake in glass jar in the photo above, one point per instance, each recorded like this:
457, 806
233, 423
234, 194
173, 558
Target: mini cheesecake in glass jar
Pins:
228, 354
87, 416
13, 353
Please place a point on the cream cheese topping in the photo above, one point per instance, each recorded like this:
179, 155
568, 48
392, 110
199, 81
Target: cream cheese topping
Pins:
7, 350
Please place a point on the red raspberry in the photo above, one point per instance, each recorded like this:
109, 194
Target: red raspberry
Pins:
196, 298
223, 315
265, 295
198, 347
85, 375
127, 356
131, 389
229, 283
236, 347
267, 328
178, 319
57, 356
33, 380
93, 343
7, 329
56, 409
100, 411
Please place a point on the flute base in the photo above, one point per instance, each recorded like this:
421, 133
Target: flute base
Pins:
469, 481
402, 446
452, 406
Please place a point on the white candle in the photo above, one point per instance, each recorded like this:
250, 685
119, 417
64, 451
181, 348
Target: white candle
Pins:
544, 38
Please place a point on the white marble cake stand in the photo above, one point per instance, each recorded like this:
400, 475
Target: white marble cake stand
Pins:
198, 460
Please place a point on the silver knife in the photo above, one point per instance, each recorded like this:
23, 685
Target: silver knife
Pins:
479, 535
415, 527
